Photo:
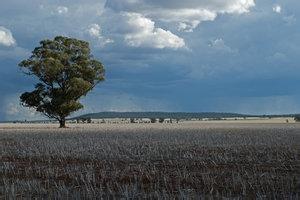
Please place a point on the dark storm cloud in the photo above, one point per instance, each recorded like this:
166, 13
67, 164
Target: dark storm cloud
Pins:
245, 55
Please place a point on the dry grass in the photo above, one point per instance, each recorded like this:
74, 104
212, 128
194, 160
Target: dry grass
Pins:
134, 161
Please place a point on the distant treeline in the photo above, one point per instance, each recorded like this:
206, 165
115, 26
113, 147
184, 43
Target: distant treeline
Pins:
164, 115
161, 115
173, 115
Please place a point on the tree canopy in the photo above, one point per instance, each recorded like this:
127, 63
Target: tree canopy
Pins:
66, 71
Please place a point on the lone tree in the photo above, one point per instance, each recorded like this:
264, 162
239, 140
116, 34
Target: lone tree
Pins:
66, 71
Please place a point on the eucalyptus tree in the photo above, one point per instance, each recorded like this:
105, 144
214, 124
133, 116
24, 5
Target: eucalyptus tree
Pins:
66, 71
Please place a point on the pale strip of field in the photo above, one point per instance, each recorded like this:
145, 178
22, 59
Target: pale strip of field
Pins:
254, 120
214, 124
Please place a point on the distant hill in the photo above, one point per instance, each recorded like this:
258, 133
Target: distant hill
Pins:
173, 115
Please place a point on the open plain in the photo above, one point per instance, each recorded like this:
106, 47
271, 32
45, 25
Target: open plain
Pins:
154, 161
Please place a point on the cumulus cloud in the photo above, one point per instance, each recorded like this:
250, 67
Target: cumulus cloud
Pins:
15, 53
6, 37
186, 14
219, 44
229, 6
187, 26
289, 20
237, 6
187, 19
94, 30
143, 33
14, 111
62, 10
277, 8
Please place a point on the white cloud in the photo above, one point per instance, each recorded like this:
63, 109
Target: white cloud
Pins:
277, 8
16, 53
94, 31
238, 6
62, 10
6, 37
219, 44
186, 14
277, 58
143, 33
289, 20
14, 111
187, 19
187, 26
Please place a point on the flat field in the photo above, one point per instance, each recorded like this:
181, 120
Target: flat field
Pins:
151, 161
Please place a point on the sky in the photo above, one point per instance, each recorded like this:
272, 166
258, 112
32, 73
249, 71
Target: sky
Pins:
184, 56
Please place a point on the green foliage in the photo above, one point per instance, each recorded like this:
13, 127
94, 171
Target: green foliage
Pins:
66, 71
153, 120
161, 120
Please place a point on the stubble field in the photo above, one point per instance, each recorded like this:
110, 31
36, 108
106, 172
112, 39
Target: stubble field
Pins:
154, 161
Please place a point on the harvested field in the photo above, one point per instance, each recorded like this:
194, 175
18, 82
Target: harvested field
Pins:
154, 161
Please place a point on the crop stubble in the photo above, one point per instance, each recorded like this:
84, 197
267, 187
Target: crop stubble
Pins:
150, 161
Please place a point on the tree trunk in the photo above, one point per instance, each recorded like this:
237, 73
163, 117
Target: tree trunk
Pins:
62, 123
